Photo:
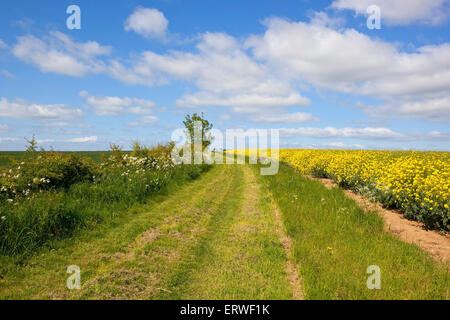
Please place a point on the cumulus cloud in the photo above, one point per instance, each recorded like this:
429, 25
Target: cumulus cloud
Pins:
264, 71
146, 120
225, 74
436, 110
245, 103
24, 23
111, 106
377, 69
8, 139
436, 135
6, 74
83, 139
331, 132
149, 23
60, 54
218, 65
331, 145
368, 133
149, 119
3, 45
4, 128
341, 145
228, 75
401, 12
322, 19
331, 60
22, 109
73, 140
63, 124
298, 117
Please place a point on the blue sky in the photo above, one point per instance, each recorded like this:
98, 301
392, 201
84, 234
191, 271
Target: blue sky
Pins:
312, 69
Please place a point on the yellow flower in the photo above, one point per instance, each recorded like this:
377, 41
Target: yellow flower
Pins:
413, 178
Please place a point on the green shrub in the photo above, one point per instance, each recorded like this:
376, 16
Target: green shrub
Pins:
45, 171
76, 199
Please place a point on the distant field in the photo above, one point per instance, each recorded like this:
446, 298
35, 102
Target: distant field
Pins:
6, 157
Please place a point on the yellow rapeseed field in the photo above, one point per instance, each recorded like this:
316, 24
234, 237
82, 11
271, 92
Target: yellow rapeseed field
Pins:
416, 182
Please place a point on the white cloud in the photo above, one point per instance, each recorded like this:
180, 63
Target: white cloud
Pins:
377, 69
104, 106
298, 117
264, 71
322, 19
437, 110
63, 124
83, 139
341, 145
149, 119
73, 140
227, 75
401, 12
59, 54
331, 145
144, 121
8, 139
221, 69
368, 133
438, 135
220, 65
137, 76
21, 109
225, 117
24, 23
6, 74
42, 141
245, 103
331, 132
3, 45
4, 128
149, 23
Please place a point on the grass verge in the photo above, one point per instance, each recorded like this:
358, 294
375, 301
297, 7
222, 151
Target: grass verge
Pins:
28, 224
334, 242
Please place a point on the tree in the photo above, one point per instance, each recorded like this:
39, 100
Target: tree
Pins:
32, 145
139, 150
197, 123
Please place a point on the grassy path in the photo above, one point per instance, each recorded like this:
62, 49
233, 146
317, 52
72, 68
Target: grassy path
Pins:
241, 255
233, 234
124, 260
216, 238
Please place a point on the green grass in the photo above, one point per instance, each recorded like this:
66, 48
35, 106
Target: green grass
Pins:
317, 219
101, 253
29, 223
238, 255
214, 238
218, 237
